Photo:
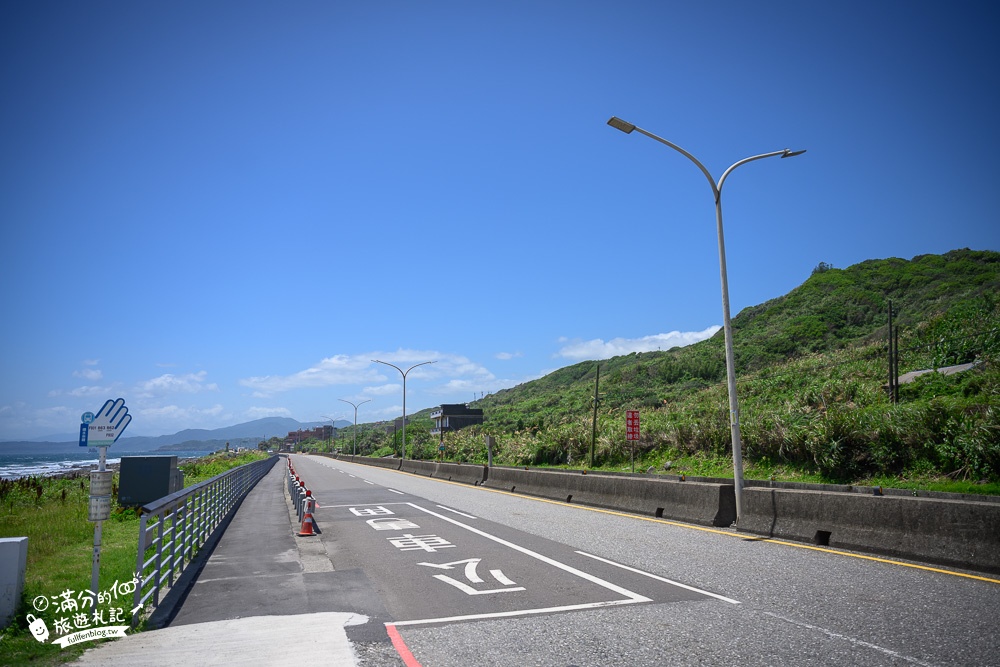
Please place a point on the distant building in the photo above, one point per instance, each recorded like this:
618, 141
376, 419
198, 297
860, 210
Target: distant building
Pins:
325, 432
453, 416
395, 425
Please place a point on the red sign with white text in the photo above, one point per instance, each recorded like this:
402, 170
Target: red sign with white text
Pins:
631, 425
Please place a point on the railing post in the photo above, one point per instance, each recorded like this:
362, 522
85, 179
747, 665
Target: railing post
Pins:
159, 558
194, 517
140, 570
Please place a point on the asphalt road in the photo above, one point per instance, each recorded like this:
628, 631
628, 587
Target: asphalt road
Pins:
413, 571
467, 575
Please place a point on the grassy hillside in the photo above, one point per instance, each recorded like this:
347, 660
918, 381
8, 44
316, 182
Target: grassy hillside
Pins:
811, 366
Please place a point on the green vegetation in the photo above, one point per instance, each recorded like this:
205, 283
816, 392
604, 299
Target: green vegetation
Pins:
52, 513
207, 467
811, 370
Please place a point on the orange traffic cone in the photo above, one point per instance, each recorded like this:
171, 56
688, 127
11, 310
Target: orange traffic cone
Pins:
307, 526
307, 519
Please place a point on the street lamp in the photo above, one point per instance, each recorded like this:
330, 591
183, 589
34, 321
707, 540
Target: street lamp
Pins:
367, 400
734, 410
333, 427
403, 373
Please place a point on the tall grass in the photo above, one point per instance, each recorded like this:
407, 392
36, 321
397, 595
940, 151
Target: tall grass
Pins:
820, 417
52, 514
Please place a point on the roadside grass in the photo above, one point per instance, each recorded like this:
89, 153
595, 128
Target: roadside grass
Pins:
701, 464
52, 514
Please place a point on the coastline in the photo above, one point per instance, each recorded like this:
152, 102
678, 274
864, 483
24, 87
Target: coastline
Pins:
63, 466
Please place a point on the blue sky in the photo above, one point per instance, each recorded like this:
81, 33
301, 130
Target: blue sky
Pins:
224, 211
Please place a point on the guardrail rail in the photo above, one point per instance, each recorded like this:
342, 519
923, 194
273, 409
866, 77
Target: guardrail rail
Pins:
173, 528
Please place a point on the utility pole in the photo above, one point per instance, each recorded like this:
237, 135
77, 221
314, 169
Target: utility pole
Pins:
893, 360
593, 434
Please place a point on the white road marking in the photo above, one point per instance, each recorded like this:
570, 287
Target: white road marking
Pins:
658, 578
499, 576
523, 612
467, 516
632, 597
852, 640
399, 492
363, 505
469, 590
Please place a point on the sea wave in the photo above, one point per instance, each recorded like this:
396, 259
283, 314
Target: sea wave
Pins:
13, 466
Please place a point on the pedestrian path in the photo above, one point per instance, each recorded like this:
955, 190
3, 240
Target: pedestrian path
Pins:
254, 602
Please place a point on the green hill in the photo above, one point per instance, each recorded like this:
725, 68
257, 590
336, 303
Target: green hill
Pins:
811, 366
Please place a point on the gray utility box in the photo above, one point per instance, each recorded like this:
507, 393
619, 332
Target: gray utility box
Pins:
143, 479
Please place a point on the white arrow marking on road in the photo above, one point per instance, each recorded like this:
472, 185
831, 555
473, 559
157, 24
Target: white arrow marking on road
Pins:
473, 576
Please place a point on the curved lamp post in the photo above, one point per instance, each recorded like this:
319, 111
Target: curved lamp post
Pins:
403, 373
367, 400
734, 410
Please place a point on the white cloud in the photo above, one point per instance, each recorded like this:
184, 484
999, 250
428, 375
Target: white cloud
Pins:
506, 356
339, 369
461, 386
260, 413
191, 383
384, 389
357, 369
599, 349
92, 374
177, 413
88, 391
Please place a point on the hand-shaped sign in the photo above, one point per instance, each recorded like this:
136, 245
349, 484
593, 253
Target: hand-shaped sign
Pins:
107, 424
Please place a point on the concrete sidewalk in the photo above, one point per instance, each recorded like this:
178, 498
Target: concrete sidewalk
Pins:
263, 596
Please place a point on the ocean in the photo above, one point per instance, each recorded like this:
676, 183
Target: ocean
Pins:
27, 464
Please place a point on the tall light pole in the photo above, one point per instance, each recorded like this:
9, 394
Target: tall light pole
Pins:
734, 409
367, 400
333, 427
403, 373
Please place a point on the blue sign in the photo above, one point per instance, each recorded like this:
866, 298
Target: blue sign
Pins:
83, 434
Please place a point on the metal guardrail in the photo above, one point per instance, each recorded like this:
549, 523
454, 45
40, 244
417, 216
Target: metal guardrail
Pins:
173, 528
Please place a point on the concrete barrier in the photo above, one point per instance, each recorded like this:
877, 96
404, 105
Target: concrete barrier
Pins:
948, 529
706, 504
419, 467
392, 464
959, 533
456, 472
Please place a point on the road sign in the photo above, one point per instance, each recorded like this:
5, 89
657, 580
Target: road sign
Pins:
631, 425
106, 426
86, 420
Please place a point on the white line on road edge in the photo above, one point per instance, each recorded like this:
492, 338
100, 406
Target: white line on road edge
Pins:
658, 578
523, 612
362, 505
468, 516
852, 640
399, 492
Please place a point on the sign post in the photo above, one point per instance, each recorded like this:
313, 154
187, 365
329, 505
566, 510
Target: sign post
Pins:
101, 430
632, 431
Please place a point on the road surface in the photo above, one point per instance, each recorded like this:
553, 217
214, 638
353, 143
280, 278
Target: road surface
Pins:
468, 575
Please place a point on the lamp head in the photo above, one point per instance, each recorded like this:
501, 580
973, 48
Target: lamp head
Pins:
791, 153
620, 124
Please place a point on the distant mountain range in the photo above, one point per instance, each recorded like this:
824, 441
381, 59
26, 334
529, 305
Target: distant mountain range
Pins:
241, 435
